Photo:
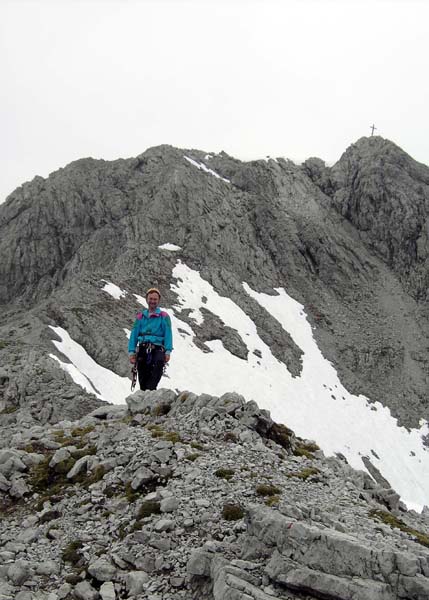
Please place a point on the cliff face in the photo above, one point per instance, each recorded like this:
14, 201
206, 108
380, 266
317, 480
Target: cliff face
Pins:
384, 193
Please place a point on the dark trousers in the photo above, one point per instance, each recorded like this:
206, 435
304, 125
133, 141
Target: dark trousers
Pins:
150, 365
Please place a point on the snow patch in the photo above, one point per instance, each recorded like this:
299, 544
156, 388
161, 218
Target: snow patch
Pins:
170, 247
203, 167
140, 300
113, 290
87, 373
77, 376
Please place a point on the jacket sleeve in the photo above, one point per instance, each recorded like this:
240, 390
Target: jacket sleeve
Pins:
134, 337
168, 335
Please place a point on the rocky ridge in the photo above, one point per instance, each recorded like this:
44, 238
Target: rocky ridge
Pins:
182, 496
349, 242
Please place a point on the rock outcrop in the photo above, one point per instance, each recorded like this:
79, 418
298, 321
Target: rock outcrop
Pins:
384, 193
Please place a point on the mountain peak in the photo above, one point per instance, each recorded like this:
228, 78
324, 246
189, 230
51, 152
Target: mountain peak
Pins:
374, 147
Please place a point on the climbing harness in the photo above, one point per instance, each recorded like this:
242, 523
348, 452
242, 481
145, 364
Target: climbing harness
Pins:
146, 348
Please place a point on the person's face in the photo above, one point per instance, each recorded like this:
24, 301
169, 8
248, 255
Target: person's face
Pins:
152, 300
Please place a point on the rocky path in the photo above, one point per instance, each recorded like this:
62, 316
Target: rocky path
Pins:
178, 496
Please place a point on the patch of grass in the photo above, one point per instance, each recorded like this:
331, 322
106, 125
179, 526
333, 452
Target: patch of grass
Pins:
130, 494
232, 512
76, 437
37, 448
197, 446
282, 435
8, 410
49, 481
161, 409
168, 436
153, 426
137, 525
224, 473
61, 438
43, 478
4, 344
97, 475
272, 500
192, 457
172, 436
111, 491
53, 499
157, 433
306, 449
266, 489
305, 473
149, 507
302, 452
63, 467
8, 506
394, 522
81, 431
71, 552
122, 531
85, 451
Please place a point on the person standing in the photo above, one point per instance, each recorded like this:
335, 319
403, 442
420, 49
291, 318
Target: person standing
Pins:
151, 342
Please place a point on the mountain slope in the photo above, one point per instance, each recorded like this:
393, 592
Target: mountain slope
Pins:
269, 224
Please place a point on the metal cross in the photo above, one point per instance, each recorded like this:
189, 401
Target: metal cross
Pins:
372, 129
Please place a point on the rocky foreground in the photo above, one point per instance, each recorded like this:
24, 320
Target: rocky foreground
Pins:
178, 496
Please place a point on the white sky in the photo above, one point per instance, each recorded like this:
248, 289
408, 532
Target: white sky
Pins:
292, 78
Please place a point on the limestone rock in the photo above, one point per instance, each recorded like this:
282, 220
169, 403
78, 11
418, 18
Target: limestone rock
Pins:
19, 572
102, 570
85, 591
135, 582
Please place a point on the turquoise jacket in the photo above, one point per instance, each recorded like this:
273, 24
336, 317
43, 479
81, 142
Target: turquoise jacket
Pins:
155, 329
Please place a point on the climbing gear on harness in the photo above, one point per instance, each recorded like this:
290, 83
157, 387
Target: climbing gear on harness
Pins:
133, 376
148, 349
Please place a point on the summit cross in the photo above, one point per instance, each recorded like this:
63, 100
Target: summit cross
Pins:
372, 129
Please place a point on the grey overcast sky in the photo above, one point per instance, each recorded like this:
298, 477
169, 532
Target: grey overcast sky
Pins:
293, 78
